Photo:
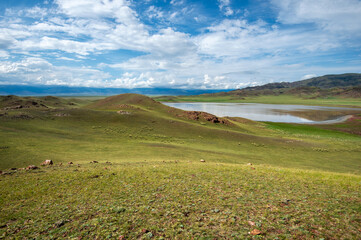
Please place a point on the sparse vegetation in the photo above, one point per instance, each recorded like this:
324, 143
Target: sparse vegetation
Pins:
140, 174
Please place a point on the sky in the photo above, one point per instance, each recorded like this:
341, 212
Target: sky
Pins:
204, 44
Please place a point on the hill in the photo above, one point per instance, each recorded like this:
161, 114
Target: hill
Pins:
343, 89
346, 85
127, 167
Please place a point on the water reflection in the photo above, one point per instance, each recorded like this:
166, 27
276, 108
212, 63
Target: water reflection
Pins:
259, 112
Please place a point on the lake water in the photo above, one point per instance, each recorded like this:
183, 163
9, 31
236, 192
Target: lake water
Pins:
260, 112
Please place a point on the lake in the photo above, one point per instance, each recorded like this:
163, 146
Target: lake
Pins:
269, 112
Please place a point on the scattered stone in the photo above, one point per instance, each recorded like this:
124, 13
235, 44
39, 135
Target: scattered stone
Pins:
21, 169
47, 162
31, 167
255, 232
251, 223
70, 163
123, 112
285, 202
59, 223
108, 163
62, 115
202, 160
249, 164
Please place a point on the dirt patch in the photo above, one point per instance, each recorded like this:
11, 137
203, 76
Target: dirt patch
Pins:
199, 116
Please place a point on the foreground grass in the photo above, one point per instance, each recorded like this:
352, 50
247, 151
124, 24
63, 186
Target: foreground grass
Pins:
183, 200
304, 182
269, 99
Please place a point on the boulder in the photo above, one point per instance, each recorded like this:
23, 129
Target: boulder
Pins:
47, 162
31, 167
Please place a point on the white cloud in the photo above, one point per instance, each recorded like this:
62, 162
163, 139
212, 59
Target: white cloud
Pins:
224, 6
308, 76
39, 71
224, 54
335, 16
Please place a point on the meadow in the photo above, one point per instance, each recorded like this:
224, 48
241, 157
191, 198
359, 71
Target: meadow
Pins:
142, 170
270, 99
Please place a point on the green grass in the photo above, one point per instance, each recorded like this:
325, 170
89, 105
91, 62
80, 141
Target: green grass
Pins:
270, 99
304, 182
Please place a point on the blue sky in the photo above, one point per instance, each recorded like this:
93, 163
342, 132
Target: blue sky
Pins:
208, 44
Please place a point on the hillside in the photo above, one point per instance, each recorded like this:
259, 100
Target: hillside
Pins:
345, 85
127, 167
343, 89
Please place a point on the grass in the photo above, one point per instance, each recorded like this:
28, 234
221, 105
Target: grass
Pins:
304, 181
270, 99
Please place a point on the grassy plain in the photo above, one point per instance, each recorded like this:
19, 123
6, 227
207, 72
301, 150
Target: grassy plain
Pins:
304, 181
271, 99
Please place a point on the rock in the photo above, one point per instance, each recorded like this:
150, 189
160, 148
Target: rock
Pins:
59, 223
1, 172
251, 223
70, 163
21, 169
202, 160
123, 112
108, 163
13, 169
94, 162
31, 167
249, 164
255, 232
47, 162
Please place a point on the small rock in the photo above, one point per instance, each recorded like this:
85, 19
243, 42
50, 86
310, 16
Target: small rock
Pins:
59, 223
108, 162
251, 223
145, 230
21, 169
94, 162
249, 164
70, 163
202, 160
31, 167
47, 162
253, 168
255, 232
13, 169
121, 237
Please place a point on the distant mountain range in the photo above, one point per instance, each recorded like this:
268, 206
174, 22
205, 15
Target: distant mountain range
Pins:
346, 85
23, 90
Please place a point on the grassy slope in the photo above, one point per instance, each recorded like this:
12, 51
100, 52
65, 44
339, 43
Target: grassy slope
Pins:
157, 183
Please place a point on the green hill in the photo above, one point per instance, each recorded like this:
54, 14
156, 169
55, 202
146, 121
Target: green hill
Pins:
127, 167
343, 89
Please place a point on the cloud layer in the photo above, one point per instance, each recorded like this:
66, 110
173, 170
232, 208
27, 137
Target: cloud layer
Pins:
105, 43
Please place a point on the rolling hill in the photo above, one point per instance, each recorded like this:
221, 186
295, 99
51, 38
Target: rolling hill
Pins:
128, 167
